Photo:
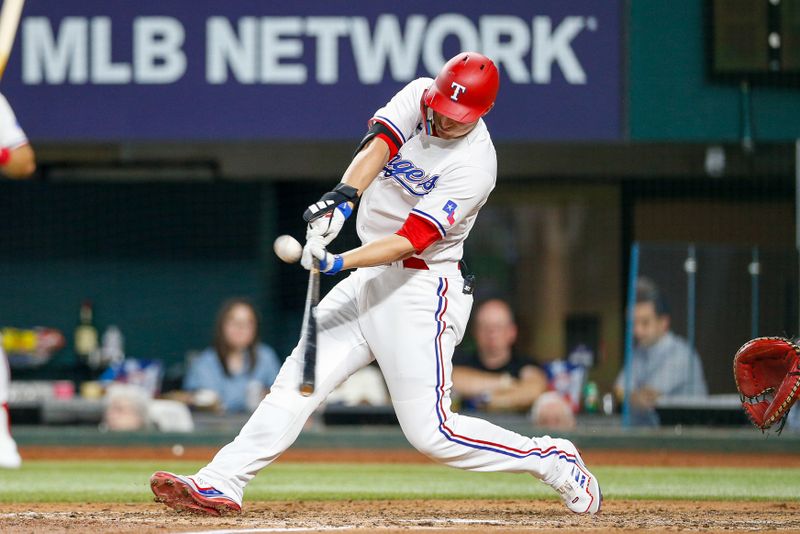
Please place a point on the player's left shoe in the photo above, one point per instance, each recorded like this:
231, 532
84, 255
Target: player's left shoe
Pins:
9, 455
191, 494
576, 485
580, 491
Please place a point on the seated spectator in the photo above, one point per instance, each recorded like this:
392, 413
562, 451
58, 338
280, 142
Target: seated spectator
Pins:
552, 411
495, 377
238, 370
365, 387
126, 408
130, 408
664, 365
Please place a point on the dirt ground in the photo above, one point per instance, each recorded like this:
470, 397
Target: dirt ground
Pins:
411, 517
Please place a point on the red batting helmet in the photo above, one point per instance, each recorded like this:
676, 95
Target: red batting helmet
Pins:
465, 88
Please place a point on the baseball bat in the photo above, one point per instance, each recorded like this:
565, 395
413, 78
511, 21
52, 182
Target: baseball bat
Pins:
9, 21
310, 332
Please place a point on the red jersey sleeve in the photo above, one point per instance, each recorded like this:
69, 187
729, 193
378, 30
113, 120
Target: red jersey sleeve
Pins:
420, 232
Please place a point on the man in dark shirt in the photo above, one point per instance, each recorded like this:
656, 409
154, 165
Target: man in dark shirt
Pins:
496, 378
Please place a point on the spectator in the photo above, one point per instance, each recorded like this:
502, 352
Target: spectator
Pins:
664, 365
365, 387
129, 408
126, 408
497, 378
552, 411
238, 370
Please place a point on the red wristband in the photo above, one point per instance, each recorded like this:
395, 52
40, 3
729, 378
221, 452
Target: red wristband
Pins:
5, 155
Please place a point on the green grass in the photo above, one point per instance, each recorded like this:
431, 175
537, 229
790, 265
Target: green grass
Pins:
71, 481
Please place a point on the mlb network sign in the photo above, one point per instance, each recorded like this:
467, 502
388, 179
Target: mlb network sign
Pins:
241, 70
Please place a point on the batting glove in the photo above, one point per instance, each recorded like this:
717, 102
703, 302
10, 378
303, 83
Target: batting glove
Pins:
330, 224
341, 193
315, 249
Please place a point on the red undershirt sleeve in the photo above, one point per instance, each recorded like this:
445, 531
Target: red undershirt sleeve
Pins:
420, 232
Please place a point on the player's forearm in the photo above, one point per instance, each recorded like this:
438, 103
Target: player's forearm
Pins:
21, 163
520, 394
472, 382
645, 398
366, 165
518, 397
385, 250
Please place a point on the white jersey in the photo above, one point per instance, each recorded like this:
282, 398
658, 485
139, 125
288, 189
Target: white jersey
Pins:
11, 134
444, 181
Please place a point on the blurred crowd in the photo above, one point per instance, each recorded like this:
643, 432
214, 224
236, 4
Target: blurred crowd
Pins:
492, 375
235, 372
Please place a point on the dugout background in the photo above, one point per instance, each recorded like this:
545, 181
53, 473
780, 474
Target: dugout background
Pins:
158, 234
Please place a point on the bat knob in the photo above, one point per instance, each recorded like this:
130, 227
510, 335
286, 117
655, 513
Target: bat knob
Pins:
306, 390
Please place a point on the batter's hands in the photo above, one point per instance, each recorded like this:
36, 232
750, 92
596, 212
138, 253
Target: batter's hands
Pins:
315, 249
326, 216
330, 224
645, 398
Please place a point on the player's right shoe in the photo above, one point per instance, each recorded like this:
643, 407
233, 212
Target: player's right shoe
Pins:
577, 487
191, 494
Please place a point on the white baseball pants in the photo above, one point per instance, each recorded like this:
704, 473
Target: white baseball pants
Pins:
9, 456
5, 375
410, 321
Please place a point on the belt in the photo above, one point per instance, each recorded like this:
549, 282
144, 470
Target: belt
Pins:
421, 265
415, 263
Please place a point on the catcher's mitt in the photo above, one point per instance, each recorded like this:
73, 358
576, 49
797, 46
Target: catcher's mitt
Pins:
767, 374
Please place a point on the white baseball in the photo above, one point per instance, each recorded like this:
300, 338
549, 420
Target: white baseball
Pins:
287, 248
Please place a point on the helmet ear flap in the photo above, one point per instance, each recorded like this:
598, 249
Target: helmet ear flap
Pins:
427, 113
429, 121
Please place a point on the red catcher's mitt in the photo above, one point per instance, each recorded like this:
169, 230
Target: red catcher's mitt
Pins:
767, 374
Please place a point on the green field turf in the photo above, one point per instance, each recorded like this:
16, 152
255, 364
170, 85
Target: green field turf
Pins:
71, 481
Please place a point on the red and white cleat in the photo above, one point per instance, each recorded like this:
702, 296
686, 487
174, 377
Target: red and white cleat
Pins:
191, 494
580, 491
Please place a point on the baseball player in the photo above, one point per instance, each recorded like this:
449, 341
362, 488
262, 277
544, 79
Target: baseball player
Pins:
16, 161
421, 174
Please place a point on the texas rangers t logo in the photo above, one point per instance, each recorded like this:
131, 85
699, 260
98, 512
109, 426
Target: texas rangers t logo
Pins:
458, 89
450, 209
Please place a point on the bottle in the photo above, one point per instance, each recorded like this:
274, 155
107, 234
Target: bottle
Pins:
590, 397
85, 333
608, 404
112, 346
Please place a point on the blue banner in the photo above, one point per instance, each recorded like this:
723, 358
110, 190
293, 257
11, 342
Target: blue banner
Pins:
245, 70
